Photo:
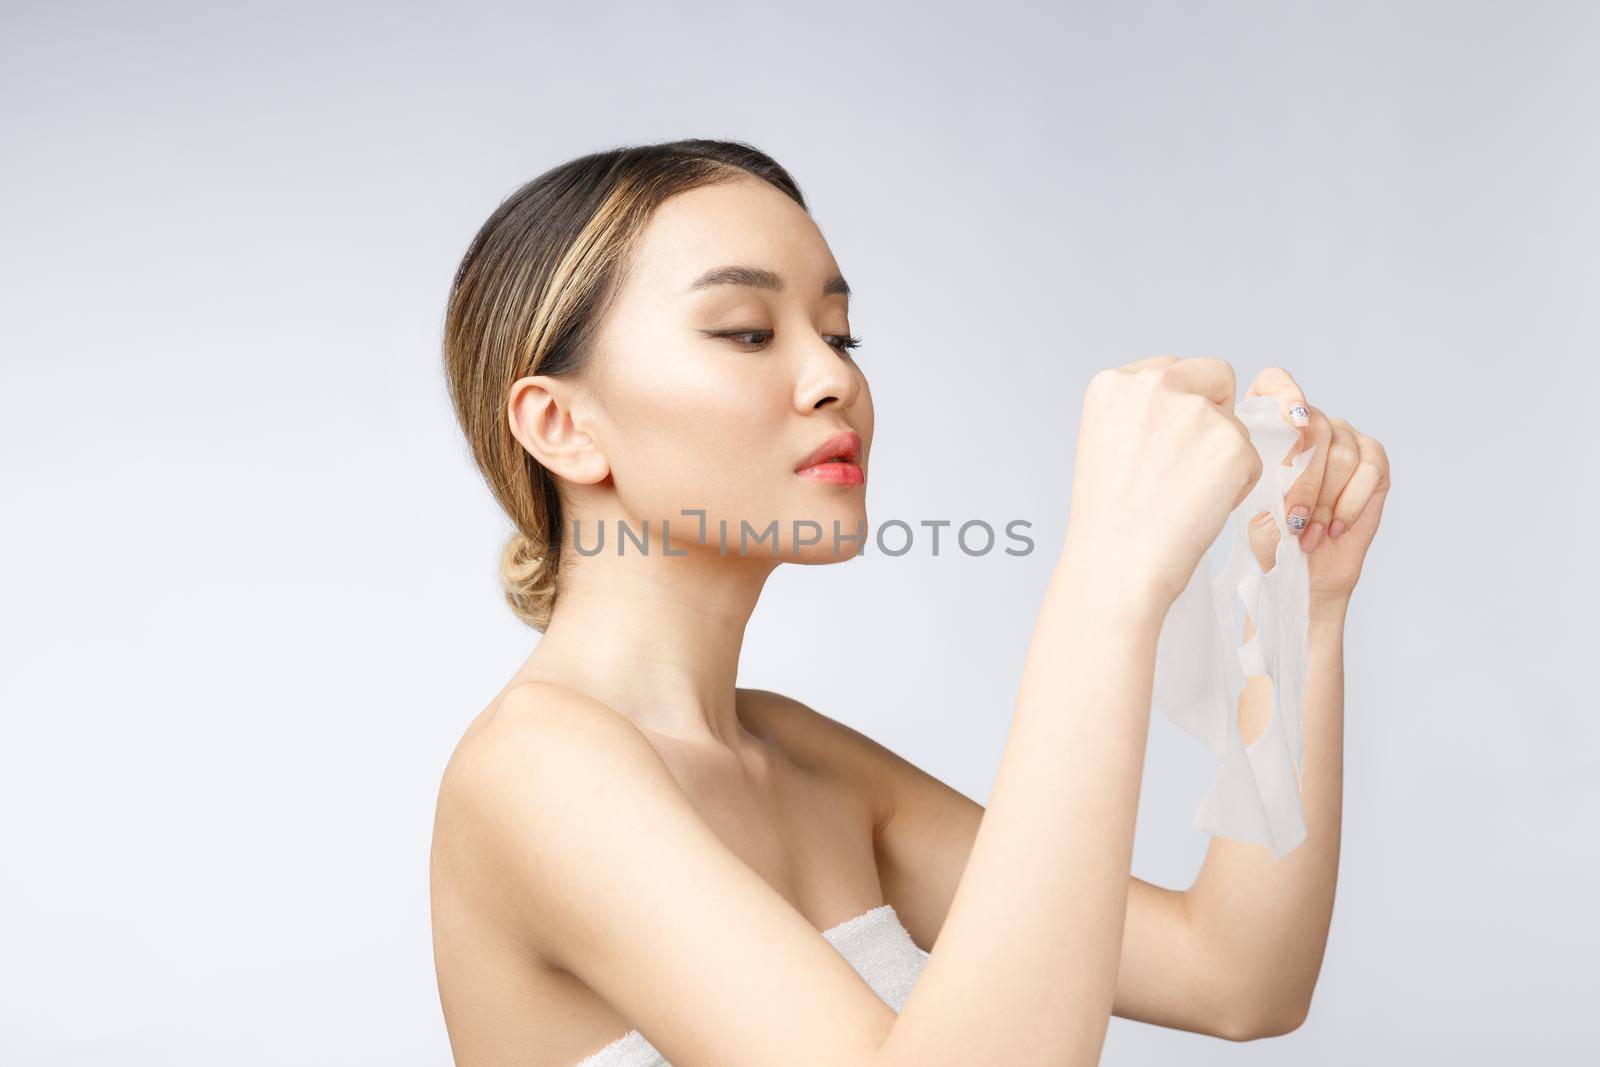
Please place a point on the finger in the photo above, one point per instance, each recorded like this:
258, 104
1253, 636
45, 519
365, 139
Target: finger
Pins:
1255, 462
1214, 379
1302, 495
1343, 457
1371, 473
1149, 361
1263, 536
1277, 382
1367, 521
1211, 378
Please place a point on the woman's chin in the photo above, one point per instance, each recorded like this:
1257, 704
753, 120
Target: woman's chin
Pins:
824, 553
829, 535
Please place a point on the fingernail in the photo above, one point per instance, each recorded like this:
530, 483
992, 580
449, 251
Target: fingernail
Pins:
1299, 415
1310, 539
1298, 517
1337, 528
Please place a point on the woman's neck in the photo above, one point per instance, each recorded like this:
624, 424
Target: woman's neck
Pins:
656, 637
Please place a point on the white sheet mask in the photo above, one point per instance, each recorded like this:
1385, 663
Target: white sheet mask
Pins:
1201, 664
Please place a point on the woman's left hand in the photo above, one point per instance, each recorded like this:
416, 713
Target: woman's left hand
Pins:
1338, 499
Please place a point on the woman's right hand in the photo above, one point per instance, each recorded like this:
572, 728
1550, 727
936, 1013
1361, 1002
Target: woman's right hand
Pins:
1162, 461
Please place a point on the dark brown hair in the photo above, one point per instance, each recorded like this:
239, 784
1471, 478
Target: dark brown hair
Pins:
528, 298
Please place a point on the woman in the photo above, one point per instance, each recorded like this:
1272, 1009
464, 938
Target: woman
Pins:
633, 858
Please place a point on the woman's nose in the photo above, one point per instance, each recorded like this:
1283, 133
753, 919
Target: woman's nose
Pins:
827, 378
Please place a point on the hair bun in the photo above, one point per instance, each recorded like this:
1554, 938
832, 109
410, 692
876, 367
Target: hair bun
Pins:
528, 575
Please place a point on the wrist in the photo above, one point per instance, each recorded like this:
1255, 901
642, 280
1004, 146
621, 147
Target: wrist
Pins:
1329, 610
1111, 590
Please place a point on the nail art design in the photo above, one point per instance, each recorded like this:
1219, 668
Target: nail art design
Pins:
1299, 415
1297, 522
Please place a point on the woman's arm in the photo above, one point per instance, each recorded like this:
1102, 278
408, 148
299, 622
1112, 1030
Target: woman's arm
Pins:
1038, 977
1271, 918
1263, 924
1236, 956
1264, 921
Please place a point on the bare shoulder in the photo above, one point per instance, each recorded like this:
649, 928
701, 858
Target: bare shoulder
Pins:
564, 841
504, 829
541, 736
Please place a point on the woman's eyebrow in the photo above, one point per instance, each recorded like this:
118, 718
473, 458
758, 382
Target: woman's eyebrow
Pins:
760, 279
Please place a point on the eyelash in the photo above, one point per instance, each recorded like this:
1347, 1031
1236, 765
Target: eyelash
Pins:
844, 347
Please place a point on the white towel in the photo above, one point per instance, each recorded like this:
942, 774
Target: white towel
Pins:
874, 942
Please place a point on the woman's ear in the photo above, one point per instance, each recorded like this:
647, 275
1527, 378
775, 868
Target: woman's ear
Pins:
541, 412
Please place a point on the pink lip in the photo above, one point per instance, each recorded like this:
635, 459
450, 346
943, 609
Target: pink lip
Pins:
835, 473
836, 461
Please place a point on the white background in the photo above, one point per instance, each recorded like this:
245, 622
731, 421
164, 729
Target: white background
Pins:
249, 594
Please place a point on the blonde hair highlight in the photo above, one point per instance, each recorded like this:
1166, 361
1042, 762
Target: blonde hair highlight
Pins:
528, 298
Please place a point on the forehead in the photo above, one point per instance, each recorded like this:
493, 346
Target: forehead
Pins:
744, 221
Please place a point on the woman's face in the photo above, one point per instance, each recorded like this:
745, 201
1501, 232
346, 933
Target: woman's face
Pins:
712, 387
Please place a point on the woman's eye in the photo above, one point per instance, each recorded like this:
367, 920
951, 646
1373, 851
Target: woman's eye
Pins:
757, 338
844, 344
751, 338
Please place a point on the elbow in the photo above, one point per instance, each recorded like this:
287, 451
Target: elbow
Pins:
1284, 1023
1264, 1022
1269, 1004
